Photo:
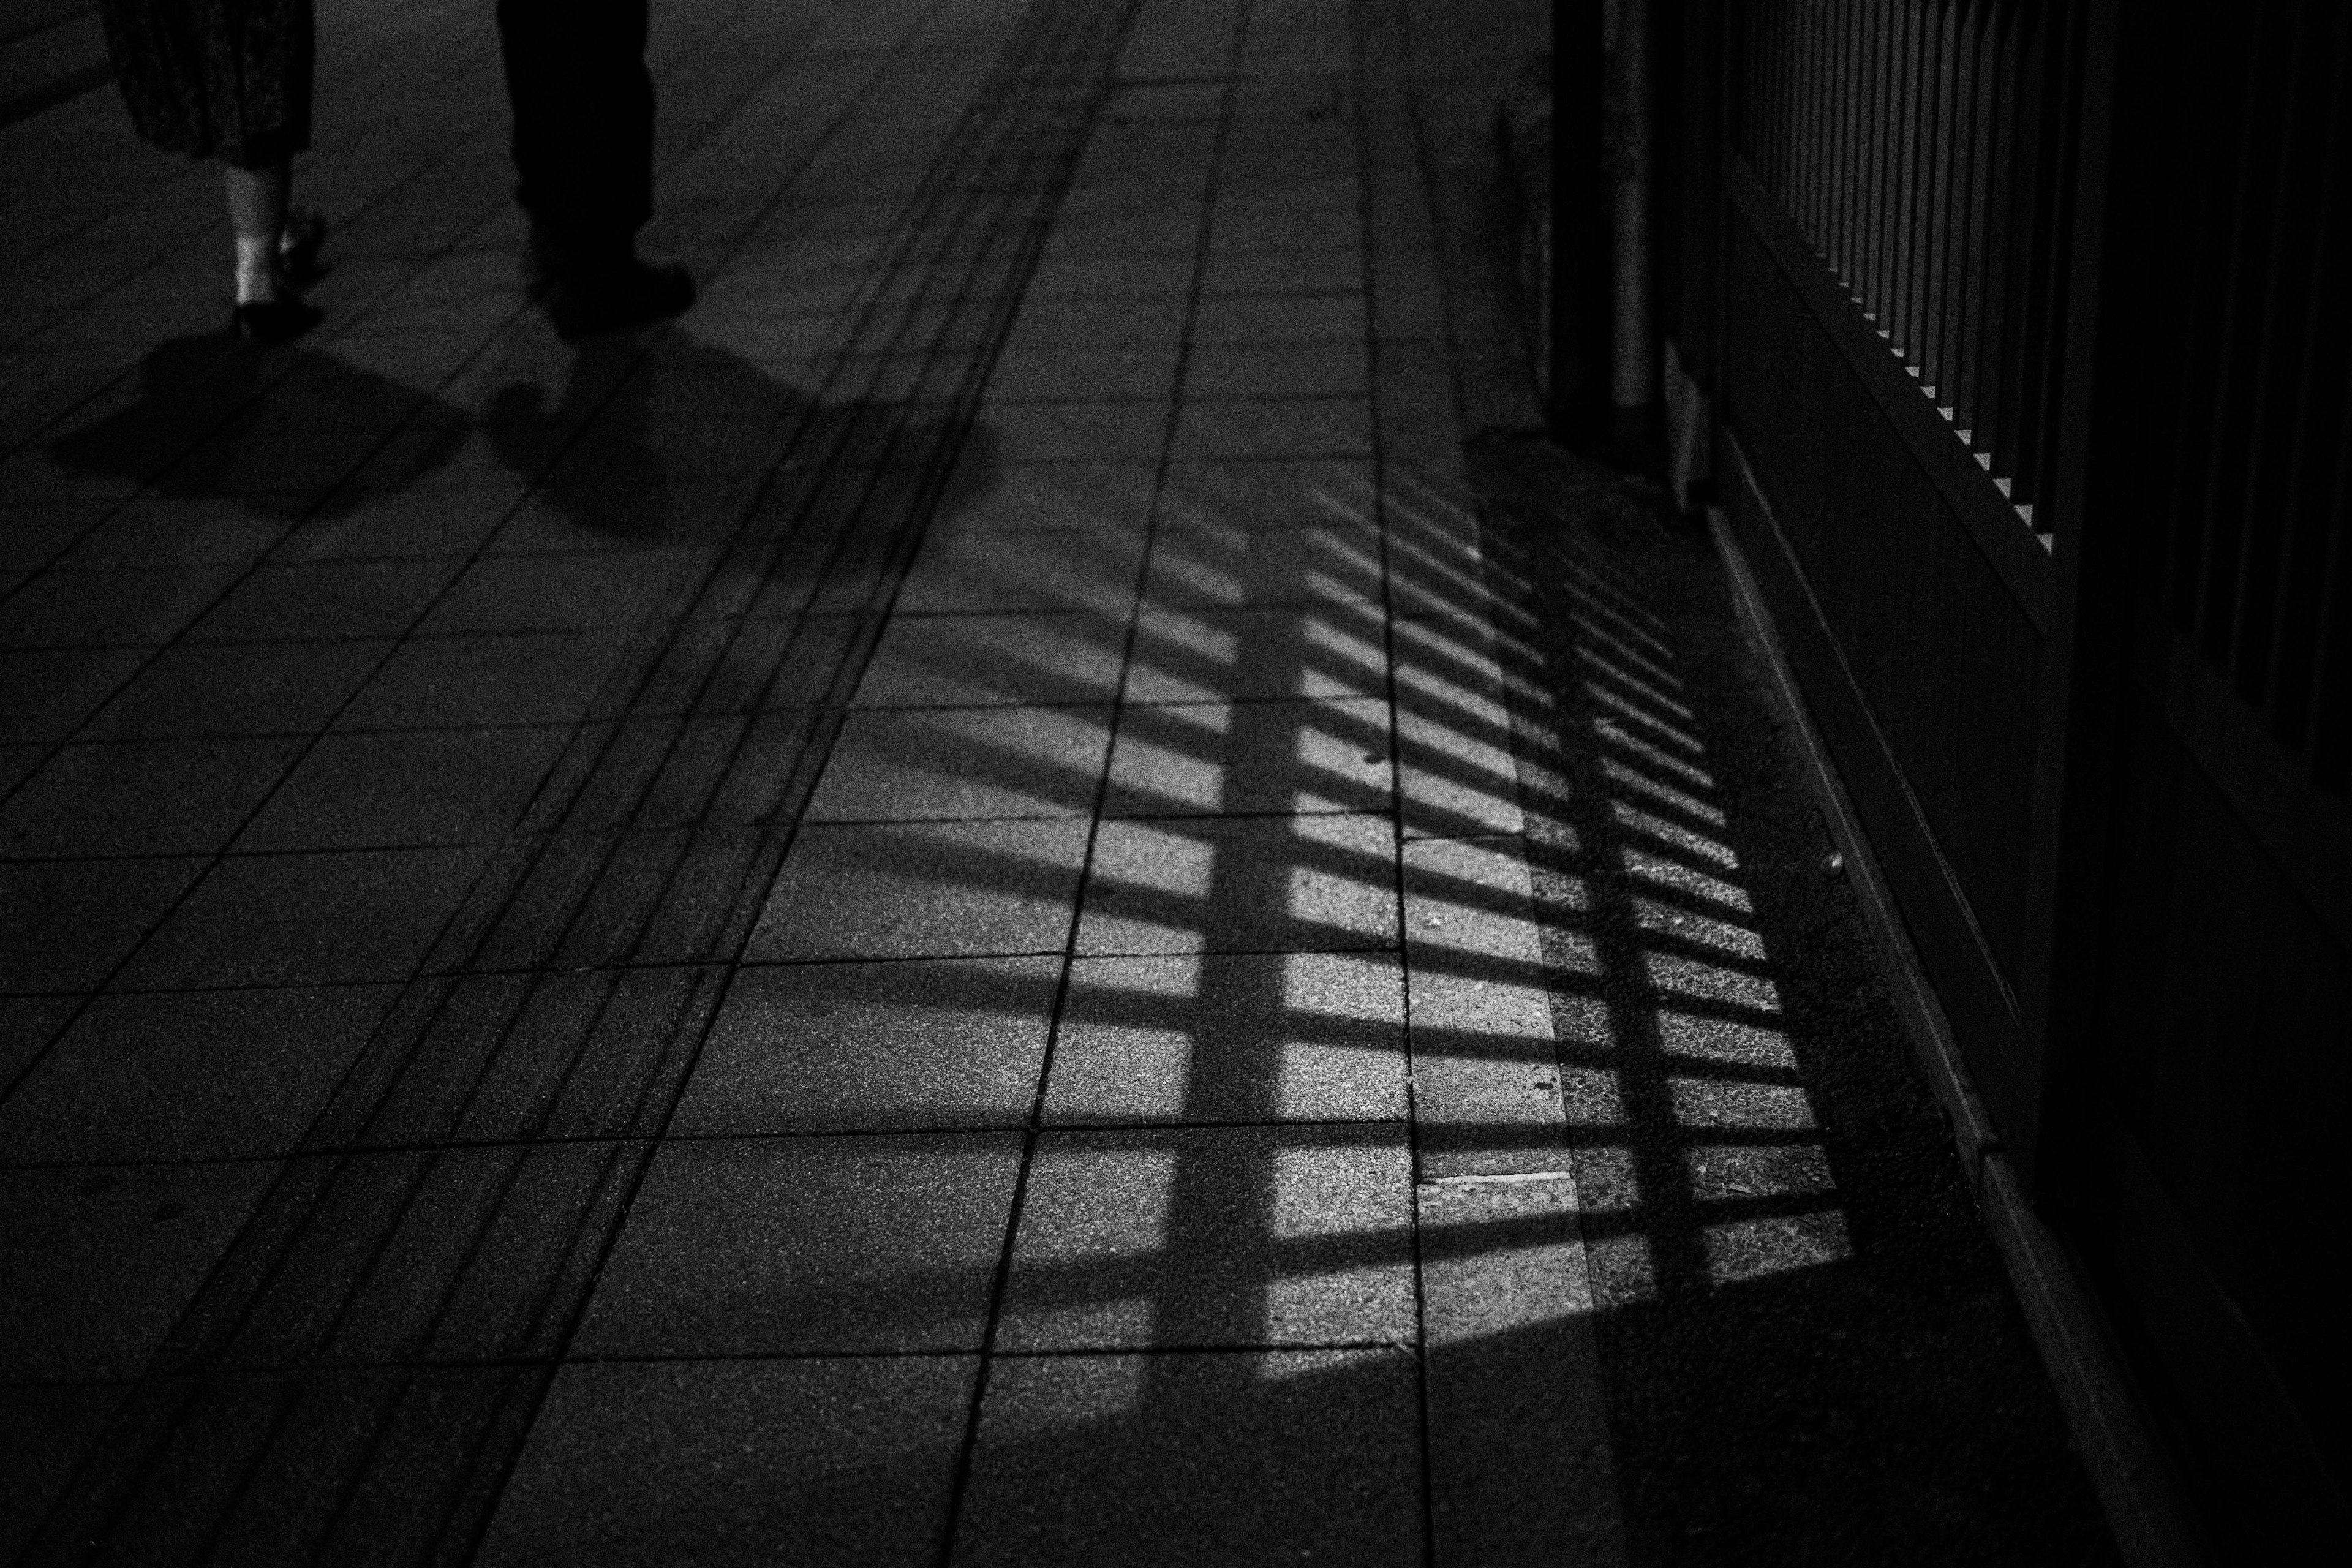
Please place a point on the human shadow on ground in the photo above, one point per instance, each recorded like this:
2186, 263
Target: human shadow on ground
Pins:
220, 416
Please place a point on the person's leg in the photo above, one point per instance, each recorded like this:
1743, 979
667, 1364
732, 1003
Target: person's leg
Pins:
257, 217
583, 122
267, 308
583, 143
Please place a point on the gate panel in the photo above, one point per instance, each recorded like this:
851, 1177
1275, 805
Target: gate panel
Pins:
1935, 650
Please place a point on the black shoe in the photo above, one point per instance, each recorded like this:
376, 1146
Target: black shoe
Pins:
298, 247
583, 301
278, 320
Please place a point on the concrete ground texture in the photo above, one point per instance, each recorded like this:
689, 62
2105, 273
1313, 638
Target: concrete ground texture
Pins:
990, 901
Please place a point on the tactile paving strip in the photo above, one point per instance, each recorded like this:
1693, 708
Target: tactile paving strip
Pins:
359, 1373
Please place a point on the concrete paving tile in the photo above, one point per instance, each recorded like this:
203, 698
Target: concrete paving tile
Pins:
100, 1261
1520, 1462
371, 524
1143, 275
538, 677
207, 1075
936, 1042
18, 762
941, 890
33, 535
1100, 229
1214, 1238
1257, 651
307, 919
65, 924
1243, 1458
388, 790
44, 1432
1331, 193
1054, 376
553, 593
984, 573
1301, 1036
1202, 567
992, 498
800, 1246
1243, 884
1482, 989
1333, 271
1457, 772
834, 1461
1082, 432
1268, 493
355, 598
1254, 758
156, 532
28, 1024
592, 518
1097, 323
52, 691
1208, 430
937, 661
246, 689
1279, 319
108, 609
143, 797
912, 764
1337, 368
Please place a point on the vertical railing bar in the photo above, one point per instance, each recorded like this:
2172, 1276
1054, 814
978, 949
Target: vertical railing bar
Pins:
2020, 272
2245, 294
1840, 246
2318, 489
1925, 262
2047, 370
1951, 164
1902, 327
2286, 341
2211, 148
2331, 677
2076, 67
1867, 280
1807, 41
1903, 146
1938, 232
1784, 167
1984, 215
1897, 15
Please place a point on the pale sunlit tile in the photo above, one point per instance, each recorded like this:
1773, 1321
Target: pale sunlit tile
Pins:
1727, 1171
1710, 982
1766, 1107
1722, 1040
1683, 879
1753, 1248
1665, 919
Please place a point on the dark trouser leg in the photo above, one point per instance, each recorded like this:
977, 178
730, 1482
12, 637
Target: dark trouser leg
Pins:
583, 124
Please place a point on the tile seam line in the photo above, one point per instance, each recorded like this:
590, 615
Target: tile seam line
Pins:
1369, 192
960, 1478
1142, 1130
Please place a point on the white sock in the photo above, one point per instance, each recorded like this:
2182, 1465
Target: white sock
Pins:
257, 269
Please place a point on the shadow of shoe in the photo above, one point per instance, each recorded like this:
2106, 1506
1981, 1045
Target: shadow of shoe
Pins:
215, 418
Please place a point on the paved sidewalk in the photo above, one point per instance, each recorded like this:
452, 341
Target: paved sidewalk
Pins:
889, 925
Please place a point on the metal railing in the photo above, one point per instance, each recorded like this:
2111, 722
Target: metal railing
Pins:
1925, 148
